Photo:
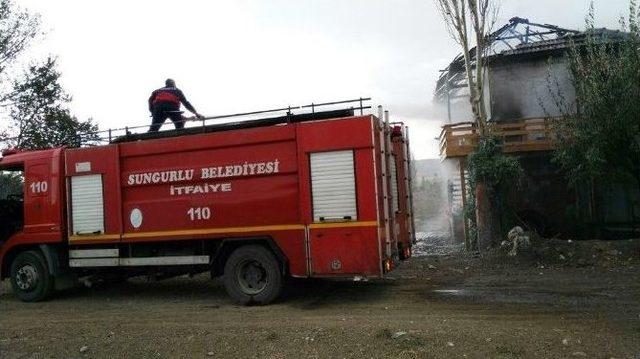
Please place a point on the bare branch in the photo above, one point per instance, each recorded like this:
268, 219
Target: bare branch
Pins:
465, 18
451, 14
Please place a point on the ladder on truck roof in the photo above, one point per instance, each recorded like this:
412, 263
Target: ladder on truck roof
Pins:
126, 135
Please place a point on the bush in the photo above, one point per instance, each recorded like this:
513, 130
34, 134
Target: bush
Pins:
500, 174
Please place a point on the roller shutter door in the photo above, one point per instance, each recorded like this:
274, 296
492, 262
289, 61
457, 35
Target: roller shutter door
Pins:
394, 184
87, 207
333, 186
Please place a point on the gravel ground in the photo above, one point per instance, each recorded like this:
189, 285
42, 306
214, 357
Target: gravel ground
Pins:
432, 307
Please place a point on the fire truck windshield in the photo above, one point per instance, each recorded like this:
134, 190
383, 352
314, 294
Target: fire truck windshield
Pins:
11, 202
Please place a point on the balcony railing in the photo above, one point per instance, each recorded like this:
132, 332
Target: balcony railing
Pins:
459, 139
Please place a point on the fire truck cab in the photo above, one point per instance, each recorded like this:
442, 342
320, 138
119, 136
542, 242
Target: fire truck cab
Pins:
32, 225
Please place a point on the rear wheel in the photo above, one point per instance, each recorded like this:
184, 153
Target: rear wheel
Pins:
30, 277
252, 275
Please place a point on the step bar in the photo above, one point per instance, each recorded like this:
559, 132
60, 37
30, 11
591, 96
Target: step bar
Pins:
110, 258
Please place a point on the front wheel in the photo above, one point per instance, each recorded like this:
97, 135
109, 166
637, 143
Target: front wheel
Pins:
252, 275
30, 277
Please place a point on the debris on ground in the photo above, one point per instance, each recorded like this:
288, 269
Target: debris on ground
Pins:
549, 253
397, 335
435, 243
518, 239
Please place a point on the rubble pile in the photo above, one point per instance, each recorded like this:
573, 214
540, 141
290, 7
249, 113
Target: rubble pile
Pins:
435, 243
553, 252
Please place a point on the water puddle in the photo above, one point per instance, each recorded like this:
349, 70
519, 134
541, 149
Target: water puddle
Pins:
453, 292
510, 295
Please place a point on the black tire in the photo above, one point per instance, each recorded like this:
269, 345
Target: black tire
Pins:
30, 277
252, 275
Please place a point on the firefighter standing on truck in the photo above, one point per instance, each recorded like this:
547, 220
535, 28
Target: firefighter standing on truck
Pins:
165, 102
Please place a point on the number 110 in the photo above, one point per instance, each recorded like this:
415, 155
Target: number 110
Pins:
199, 213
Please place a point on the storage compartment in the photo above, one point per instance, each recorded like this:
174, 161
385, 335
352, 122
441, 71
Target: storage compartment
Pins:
87, 205
333, 186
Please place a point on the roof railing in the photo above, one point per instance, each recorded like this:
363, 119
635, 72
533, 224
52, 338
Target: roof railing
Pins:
109, 135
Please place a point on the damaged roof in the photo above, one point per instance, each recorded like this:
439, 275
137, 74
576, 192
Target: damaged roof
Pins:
563, 42
518, 40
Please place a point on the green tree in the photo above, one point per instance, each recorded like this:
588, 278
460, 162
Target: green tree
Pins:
599, 136
40, 118
17, 29
34, 102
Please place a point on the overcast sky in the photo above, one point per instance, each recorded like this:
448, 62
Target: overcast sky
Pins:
238, 56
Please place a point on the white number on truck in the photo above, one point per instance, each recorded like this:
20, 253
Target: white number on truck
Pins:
199, 213
39, 187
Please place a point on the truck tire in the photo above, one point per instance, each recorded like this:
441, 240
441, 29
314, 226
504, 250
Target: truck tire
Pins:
252, 275
30, 277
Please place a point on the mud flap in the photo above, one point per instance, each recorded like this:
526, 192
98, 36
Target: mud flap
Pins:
52, 257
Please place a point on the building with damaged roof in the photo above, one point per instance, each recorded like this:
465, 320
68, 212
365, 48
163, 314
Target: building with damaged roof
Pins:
528, 85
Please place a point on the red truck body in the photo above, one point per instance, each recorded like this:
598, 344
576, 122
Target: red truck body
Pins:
328, 198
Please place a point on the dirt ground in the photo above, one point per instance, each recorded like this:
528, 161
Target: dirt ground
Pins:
432, 307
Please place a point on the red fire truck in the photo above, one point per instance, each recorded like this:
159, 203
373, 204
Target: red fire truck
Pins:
322, 194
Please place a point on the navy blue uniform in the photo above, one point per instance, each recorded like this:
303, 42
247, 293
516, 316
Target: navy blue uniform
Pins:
165, 102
